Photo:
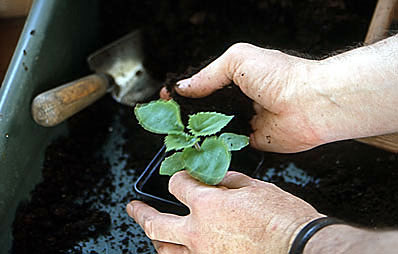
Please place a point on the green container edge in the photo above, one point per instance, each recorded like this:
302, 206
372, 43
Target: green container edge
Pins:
52, 49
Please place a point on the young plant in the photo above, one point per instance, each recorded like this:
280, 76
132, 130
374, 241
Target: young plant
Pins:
205, 157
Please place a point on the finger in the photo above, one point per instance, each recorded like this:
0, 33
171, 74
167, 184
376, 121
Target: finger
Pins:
267, 136
157, 226
205, 82
258, 108
258, 72
221, 72
185, 188
236, 180
262, 136
164, 94
259, 125
169, 248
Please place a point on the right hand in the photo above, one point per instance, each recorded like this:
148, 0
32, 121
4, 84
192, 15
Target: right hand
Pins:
304, 103
276, 82
239, 215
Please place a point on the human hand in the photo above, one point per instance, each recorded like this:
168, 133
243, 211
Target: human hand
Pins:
302, 103
278, 85
240, 215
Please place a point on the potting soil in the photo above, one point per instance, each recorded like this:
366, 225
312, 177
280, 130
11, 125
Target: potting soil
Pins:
88, 175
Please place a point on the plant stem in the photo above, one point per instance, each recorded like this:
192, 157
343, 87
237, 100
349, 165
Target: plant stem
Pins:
197, 146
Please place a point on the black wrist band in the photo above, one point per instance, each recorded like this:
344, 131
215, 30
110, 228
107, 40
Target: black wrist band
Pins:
308, 231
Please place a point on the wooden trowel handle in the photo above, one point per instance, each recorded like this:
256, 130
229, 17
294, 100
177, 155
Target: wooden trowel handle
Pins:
388, 142
54, 106
381, 21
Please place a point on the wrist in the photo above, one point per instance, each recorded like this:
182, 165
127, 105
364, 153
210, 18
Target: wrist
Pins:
355, 93
297, 227
330, 111
342, 239
337, 239
306, 232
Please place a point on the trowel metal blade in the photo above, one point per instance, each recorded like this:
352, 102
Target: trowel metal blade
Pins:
123, 61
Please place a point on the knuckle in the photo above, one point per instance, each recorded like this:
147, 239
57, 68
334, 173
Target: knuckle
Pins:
235, 57
253, 183
231, 175
274, 52
173, 182
162, 249
149, 228
199, 200
239, 48
138, 212
193, 238
270, 186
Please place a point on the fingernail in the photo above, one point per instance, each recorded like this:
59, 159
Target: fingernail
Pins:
130, 210
164, 94
185, 83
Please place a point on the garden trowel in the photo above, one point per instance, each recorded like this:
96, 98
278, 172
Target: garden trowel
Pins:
118, 69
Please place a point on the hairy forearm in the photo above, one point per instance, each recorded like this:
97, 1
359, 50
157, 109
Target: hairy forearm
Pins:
357, 92
339, 239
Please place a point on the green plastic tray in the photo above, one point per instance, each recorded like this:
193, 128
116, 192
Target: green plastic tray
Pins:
57, 37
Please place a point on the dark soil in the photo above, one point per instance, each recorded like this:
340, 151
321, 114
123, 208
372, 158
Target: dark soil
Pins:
186, 33
348, 180
77, 198
60, 210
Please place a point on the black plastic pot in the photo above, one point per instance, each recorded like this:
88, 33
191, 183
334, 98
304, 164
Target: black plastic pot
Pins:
152, 188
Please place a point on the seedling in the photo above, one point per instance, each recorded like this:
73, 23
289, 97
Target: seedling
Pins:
205, 156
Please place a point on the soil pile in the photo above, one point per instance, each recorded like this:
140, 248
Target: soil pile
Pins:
347, 179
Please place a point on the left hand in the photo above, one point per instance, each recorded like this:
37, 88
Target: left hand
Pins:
240, 215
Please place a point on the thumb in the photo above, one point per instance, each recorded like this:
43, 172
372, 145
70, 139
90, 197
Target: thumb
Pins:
261, 74
236, 180
211, 78
230, 66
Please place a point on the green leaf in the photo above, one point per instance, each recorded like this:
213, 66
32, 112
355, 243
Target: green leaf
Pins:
233, 141
179, 141
207, 123
172, 164
161, 117
209, 164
